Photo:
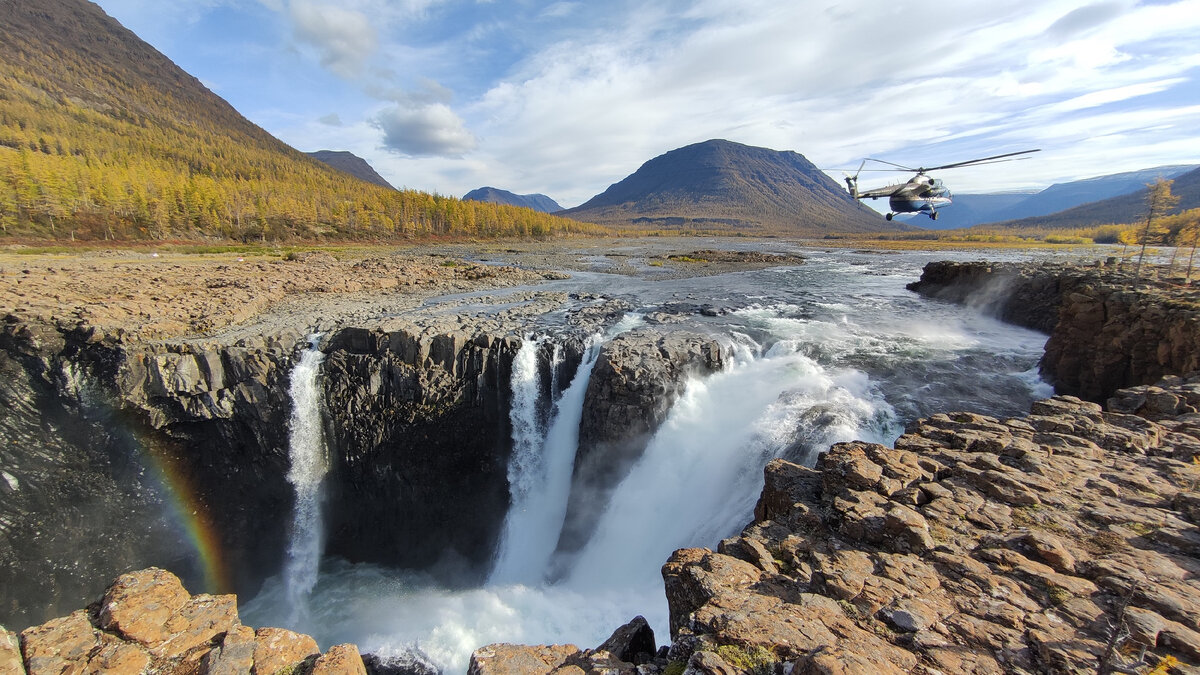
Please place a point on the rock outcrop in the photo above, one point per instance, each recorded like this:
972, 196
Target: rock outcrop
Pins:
1051, 543
1106, 332
147, 622
629, 647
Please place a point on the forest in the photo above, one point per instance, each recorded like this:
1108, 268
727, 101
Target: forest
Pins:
103, 138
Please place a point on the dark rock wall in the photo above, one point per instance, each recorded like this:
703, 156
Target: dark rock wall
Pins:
419, 424
1105, 334
77, 502
103, 442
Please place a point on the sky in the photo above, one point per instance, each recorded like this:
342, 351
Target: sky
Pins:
565, 98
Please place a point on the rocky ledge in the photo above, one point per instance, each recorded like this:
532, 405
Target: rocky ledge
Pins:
147, 623
1107, 330
1064, 541
1057, 542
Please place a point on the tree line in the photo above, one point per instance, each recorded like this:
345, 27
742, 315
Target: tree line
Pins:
128, 164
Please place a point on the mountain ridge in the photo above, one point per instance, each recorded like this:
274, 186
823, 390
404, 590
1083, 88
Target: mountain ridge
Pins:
535, 201
723, 185
348, 162
103, 137
1121, 209
971, 209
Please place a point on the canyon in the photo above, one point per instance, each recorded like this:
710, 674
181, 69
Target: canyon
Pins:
417, 402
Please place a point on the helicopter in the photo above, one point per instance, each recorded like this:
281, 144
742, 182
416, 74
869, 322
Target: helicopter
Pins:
921, 193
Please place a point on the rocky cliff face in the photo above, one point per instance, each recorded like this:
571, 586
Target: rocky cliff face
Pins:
104, 436
1104, 333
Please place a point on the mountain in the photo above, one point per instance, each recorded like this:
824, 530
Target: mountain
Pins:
1122, 209
721, 185
352, 164
103, 137
537, 202
975, 209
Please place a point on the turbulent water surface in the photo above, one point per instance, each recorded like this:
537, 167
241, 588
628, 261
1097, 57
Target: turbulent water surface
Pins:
832, 350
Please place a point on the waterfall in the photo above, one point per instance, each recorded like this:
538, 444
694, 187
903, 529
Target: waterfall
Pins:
309, 462
539, 507
702, 471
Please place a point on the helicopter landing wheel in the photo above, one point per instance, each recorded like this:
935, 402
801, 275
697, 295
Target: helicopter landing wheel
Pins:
934, 215
888, 216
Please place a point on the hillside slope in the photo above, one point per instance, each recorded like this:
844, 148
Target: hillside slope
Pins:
352, 164
1127, 208
721, 185
537, 202
103, 137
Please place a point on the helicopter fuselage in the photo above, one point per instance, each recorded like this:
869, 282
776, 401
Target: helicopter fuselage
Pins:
921, 195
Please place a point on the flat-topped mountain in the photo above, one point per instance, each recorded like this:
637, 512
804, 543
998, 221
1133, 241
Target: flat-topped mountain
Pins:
537, 202
352, 164
721, 185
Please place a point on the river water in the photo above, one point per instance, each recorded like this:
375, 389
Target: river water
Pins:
832, 350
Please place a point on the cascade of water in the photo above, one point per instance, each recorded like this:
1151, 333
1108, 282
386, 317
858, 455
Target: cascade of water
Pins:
531, 532
525, 467
556, 361
702, 470
309, 463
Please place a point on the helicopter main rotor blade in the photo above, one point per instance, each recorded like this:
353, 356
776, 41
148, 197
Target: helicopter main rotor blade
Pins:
884, 161
982, 160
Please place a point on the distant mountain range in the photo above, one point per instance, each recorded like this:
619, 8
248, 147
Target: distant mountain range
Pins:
975, 209
1122, 209
352, 164
722, 185
537, 202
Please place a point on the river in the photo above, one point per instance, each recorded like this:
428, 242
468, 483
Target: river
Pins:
831, 350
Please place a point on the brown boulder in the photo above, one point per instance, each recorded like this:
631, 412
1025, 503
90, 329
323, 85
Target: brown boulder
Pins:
10, 653
233, 656
277, 648
139, 605
59, 645
340, 660
506, 659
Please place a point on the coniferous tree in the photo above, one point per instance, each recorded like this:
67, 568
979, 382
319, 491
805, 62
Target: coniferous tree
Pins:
1159, 200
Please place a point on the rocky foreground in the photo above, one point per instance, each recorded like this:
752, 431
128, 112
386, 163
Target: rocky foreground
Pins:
1060, 542
1064, 541
146, 622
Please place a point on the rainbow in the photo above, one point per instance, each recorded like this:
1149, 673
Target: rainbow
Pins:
193, 515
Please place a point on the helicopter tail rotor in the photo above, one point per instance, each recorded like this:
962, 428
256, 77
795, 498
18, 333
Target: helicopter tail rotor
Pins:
852, 181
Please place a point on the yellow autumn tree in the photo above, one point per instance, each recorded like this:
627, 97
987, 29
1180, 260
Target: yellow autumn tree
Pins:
1159, 200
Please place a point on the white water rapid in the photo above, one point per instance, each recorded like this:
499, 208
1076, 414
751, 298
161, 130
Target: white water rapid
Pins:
309, 463
831, 350
702, 471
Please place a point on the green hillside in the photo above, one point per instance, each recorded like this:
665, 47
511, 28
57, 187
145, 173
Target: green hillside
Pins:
103, 137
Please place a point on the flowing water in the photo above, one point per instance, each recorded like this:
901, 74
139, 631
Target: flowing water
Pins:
832, 350
309, 463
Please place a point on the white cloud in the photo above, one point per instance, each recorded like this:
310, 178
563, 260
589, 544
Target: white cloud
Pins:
432, 130
578, 95
344, 38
